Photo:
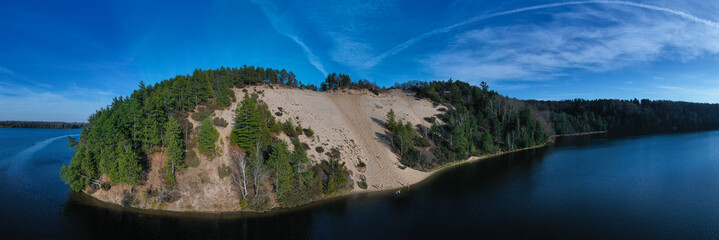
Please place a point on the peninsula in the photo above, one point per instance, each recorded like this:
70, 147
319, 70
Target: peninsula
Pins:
253, 138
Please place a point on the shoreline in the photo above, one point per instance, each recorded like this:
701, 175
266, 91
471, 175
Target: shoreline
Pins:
91, 200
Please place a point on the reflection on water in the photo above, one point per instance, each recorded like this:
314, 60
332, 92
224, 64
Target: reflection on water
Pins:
585, 187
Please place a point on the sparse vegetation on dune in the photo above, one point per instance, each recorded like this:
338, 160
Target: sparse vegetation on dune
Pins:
175, 138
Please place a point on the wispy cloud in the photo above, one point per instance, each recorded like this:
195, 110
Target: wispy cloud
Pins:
6, 71
374, 61
75, 104
286, 28
541, 51
314, 60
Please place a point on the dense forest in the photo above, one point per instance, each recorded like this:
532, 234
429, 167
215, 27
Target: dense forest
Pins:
40, 124
478, 121
115, 144
643, 116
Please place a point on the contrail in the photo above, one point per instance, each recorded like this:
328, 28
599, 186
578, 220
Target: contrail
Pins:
270, 11
314, 60
372, 62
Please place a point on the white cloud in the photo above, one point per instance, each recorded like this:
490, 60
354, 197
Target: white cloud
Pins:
285, 27
374, 61
6, 71
585, 38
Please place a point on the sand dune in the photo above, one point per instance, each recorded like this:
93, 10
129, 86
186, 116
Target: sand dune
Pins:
349, 120
352, 121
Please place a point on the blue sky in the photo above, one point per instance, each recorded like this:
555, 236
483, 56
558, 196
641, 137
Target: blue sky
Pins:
61, 61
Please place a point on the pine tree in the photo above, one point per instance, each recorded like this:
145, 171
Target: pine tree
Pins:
175, 148
247, 124
207, 138
279, 163
391, 122
128, 166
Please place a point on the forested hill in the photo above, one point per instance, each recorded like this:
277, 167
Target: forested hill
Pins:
579, 115
40, 124
116, 144
637, 116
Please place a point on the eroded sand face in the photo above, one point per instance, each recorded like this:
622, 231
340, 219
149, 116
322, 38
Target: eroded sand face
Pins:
348, 120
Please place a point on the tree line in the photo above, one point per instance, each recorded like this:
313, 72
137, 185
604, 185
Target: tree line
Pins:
154, 118
115, 143
41, 124
478, 121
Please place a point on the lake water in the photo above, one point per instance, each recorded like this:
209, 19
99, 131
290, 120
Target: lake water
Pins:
588, 187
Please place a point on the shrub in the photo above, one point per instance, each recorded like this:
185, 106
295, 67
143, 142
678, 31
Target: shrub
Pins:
191, 159
430, 119
309, 132
202, 113
243, 203
220, 122
223, 171
288, 128
362, 184
105, 186
207, 138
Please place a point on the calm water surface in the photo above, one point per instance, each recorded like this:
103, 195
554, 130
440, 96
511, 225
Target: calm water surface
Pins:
590, 187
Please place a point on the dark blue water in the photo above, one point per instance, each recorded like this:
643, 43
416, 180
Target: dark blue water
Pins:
589, 187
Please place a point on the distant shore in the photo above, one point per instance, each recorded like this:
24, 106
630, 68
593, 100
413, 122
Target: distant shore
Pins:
41, 124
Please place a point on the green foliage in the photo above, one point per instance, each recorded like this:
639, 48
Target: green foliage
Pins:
128, 166
207, 138
339, 81
169, 174
202, 113
309, 132
72, 175
220, 122
332, 176
279, 164
175, 149
140, 120
403, 138
243, 203
391, 123
289, 128
39, 124
247, 124
478, 121
362, 184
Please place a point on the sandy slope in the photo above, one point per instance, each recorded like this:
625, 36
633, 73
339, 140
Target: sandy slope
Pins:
352, 121
349, 120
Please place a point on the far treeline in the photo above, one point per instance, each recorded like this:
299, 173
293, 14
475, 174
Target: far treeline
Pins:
40, 124
474, 120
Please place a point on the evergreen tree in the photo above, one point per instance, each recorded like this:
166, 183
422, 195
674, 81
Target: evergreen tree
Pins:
175, 149
247, 124
391, 122
128, 166
279, 163
207, 138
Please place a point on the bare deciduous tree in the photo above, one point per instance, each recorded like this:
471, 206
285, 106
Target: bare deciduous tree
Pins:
240, 162
256, 163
